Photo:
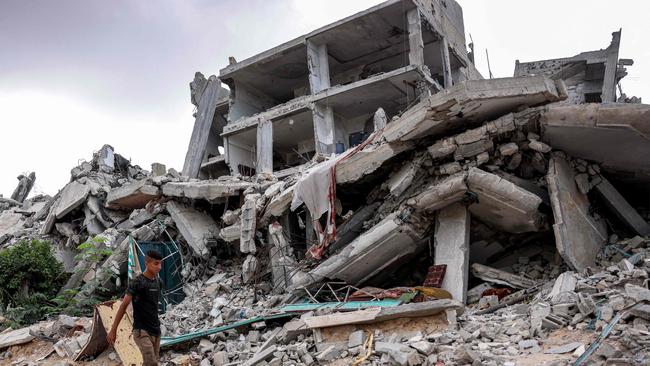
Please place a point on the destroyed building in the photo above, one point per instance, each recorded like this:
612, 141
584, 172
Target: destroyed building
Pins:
361, 194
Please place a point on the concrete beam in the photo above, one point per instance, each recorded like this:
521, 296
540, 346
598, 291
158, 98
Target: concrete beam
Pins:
132, 195
197, 228
368, 160
318, 64
578, 236
209, 190
264, 148
621, 208
440, 194
201, 130
471, 102
452, 248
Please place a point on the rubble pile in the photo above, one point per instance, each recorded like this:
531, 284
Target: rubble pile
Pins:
413, 216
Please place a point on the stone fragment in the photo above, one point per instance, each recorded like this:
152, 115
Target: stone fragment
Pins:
356, 338
508, 149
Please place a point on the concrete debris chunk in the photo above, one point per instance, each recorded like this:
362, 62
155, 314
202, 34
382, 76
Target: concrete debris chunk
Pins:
132, 196
72, 196
197, 228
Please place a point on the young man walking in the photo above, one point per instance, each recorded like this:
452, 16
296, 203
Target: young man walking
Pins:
144, 291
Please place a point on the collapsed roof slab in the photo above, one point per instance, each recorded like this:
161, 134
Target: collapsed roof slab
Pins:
621, 208
209, 190
578, 236
374, 251
471, 102
621, 133
500, 203
133, 195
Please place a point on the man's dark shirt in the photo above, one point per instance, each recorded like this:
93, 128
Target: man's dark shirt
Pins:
146, 294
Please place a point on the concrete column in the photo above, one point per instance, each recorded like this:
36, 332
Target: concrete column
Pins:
324, 129
416, 44
264, 147
452, 248
446, 63
318, 63
609, 81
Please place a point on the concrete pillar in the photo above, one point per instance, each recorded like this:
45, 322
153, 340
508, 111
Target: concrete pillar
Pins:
318, 63
446, 63
452, 248
609, 81
379, 120
264, 147
324, 129
416, 44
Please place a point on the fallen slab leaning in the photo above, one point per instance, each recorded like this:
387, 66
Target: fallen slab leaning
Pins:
197, 228
579, 237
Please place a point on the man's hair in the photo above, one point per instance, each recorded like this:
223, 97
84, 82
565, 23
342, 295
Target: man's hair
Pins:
154, 255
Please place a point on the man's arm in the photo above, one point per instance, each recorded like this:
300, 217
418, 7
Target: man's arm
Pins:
118, 317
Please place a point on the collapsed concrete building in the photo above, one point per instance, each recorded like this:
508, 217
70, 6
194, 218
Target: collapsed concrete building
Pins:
362, 192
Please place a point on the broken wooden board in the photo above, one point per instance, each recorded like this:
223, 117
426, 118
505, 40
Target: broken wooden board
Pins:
125, 346
578, 236
374, 315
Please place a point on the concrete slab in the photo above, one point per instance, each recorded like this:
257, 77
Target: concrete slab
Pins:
209, 190
132, 195
621, 132
72, 196
368, 160
374, 251
471, 102
197, 228
578, 236
452, 248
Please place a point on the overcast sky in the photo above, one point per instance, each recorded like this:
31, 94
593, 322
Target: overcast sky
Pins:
75, 75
